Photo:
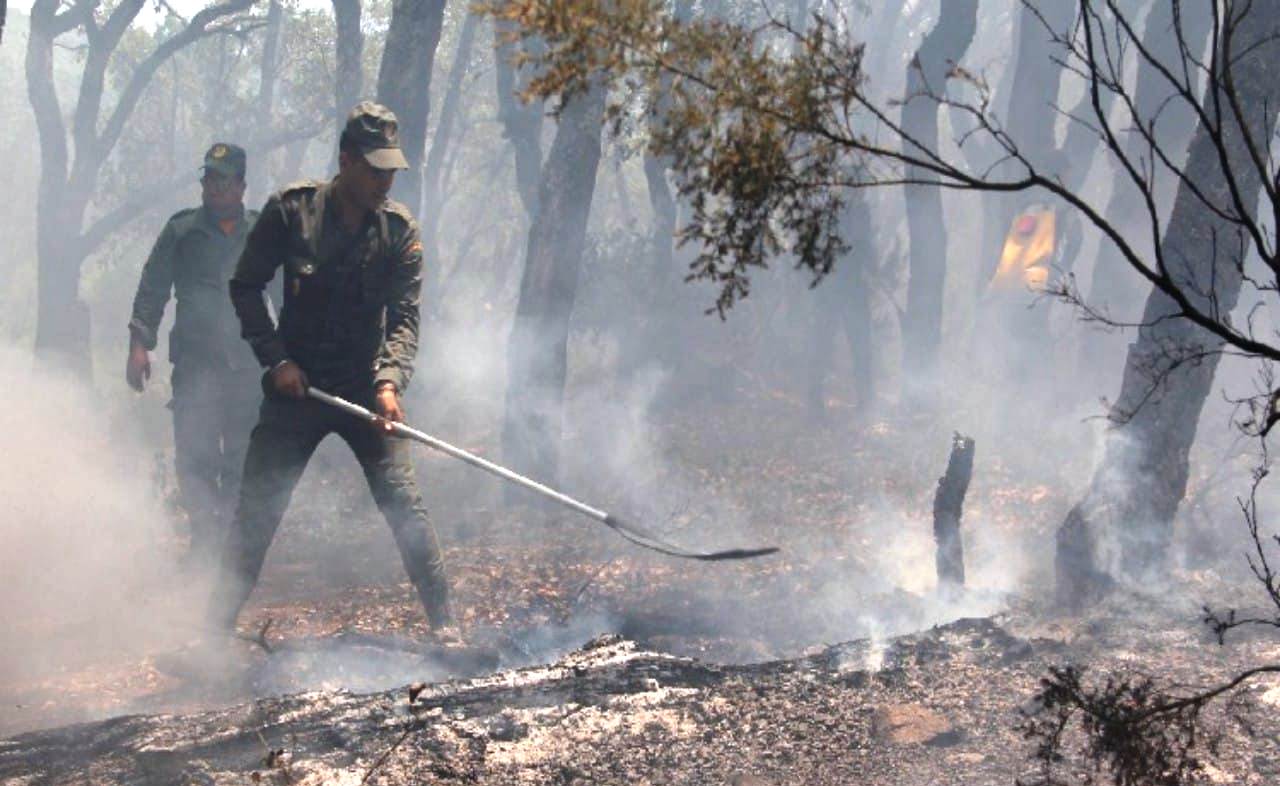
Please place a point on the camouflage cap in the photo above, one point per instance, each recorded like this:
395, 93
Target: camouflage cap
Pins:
225, 159
375, 131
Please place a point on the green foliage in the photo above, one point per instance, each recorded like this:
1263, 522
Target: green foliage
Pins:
757, 123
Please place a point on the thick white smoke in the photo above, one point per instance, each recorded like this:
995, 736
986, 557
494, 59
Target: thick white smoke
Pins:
86, 550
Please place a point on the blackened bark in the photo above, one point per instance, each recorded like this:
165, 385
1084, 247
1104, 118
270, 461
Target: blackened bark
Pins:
348, 81
537, 354
521, 122
948, 506
1114, 288
404, 81
927, 75
1125, 519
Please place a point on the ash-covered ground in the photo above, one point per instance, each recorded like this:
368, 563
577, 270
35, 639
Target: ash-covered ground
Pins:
589, 661
940, 706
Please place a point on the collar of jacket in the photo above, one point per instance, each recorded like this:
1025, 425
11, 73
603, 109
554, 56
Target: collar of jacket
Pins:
208, 224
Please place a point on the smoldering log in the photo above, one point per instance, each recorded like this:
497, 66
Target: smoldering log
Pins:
948, 504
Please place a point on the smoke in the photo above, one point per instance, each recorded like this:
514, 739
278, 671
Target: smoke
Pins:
708, 438
86, 550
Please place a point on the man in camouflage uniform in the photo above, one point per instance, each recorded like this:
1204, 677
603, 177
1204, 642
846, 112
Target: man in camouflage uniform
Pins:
349, 325
214, 381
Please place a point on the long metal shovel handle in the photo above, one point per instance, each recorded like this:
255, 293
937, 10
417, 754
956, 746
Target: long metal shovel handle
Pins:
632, 532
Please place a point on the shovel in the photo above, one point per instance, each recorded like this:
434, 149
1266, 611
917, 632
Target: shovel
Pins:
632, 532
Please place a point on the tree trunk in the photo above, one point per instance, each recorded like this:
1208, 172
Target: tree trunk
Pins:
1123, 525
433, 170
62, 318
644, 344
62, 322
1080, 143
537, 354
1030, 116
348, 82
945, 44
404, 81
1115, 288
259, 168
948, 507
521, 122
842, 304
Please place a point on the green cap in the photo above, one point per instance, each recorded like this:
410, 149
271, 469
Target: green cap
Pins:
225, 159
375, 131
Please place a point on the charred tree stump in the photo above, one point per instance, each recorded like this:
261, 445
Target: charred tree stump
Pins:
948, 503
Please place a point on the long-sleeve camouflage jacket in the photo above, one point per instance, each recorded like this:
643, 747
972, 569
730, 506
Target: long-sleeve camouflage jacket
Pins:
351, 301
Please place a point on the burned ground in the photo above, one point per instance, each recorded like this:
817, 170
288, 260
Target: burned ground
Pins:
939, 707
705, 672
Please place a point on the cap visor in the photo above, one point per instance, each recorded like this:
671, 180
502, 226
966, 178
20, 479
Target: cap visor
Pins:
386, 158
223, 168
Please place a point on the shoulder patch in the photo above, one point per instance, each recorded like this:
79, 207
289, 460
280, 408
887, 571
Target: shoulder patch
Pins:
394, 208
301, 185
181, 221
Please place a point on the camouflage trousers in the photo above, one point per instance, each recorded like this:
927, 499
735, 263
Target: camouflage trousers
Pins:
287, 434
213, 413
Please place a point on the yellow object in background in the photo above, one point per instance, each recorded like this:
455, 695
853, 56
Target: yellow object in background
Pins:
1027, 253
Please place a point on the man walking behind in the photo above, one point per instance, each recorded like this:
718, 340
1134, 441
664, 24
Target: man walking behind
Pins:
349, 325
214, 380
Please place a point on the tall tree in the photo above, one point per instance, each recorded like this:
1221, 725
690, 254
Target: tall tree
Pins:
521, 120
72, 158
268, 76
1031, 112
1123, 524
537, 353
661, 202
1113, 288
348, 81
843, 306
404, 82
441, 142
927, 76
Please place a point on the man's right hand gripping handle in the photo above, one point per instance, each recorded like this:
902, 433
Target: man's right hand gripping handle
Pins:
287, 379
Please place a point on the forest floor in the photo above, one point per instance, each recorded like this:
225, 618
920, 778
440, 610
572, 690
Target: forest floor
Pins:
820, 665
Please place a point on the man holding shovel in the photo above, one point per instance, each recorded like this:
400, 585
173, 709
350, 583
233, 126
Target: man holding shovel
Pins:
349, 325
